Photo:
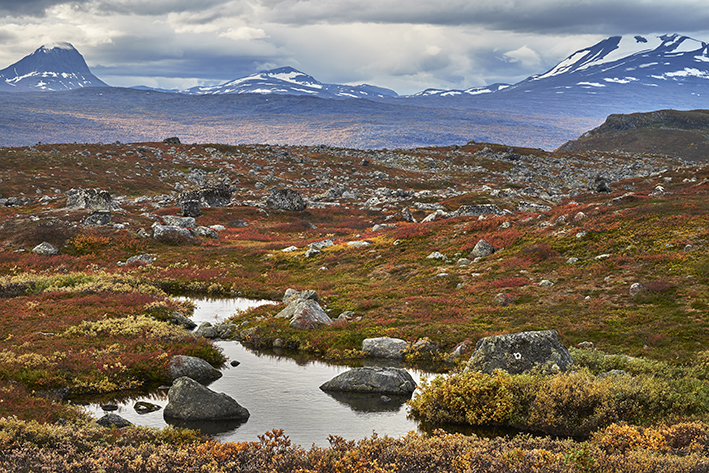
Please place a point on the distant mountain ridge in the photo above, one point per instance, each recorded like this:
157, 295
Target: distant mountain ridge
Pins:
290, 81
52, 67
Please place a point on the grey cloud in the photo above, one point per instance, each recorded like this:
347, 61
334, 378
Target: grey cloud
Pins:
541, 16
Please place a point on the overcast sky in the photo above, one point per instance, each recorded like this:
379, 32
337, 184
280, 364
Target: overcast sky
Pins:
405, 45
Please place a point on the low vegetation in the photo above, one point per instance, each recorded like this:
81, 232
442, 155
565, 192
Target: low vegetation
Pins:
82, 321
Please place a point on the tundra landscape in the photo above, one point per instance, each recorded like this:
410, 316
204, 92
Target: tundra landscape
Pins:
522, 270
606, 249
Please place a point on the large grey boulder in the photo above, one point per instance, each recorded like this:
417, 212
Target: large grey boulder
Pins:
482, 248
222, 330
188, 400
192, 367
94, 199
476, 210
521, 352
286, 199
170, 233
210, 196
384, 347
305, 314
98, 217
371, 379
177, 221
45, 249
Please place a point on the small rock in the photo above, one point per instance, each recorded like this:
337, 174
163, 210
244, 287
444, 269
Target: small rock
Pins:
142, 407
235, 363
546, 283
113, 420
636, 288
384, 347
586, 345
436, 255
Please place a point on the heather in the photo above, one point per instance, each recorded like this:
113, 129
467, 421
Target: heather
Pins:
565, 258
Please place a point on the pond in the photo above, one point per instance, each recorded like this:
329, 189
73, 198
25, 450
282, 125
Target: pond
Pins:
282, 393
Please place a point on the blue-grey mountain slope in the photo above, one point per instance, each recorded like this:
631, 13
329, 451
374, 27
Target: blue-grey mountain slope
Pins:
290, 81
52, 67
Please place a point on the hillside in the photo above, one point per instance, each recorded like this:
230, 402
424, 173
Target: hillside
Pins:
621, 265
683, 134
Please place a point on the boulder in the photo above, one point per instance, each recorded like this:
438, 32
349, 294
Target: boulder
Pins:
173, 140
223, 330
113, 420
182, 222
482, 248
305, 314
179, 319
393, 381
384, 347
190, 208
521, 352
210, 196
98, 217
45, 249
205, 232
636, 288
601, 184
142, 407
476, 210
292, 294
286, 199
192, 367
188, 400
142, 259
94, 199
171, 233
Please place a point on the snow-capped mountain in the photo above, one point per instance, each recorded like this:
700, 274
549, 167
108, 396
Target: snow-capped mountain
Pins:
52, 67
639, 61
616, 75
487, 89
290, 81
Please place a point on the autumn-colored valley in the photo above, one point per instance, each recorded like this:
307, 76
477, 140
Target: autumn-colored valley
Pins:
609, 249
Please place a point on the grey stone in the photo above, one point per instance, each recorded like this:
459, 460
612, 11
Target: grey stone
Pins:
612, 373
601, 184
222, 330
45, 249
179, 319
183, 222
189, 400
482, 248
292, 294
286, 199
476, 210
173, 140
435, 216
205, 232
521, 352
636, 288
99, 217
319, 245
142, 259
142, 407
305, 314
113, 420
436, 255
169, 232
384, 347
546, 283
393, 381
382, 226
190, 208
192, 367
94, 199
312, 252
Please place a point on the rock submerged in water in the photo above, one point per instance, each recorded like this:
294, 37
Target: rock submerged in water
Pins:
192, 367
190, 401
394, 381
521, 352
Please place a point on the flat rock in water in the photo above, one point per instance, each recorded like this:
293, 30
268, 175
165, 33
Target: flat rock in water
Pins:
192, 367
190, 401
521, 352
113, 420
369, 379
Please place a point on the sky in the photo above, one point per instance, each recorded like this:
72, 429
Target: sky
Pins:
404, 45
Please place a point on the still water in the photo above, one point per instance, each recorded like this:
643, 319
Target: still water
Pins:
281, 393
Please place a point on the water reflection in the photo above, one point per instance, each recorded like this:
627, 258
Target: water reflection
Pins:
364, 402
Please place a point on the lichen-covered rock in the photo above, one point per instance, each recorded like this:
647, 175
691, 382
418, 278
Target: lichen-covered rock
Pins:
94, 199
286, 199
192, 367
395, 381
45, 249
188, 400
482, 248
476, 210
183, 222
98, 217
521, 352
305, 314
171, 233
384, 347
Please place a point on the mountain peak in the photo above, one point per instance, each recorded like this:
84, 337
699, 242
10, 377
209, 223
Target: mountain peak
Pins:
52, 67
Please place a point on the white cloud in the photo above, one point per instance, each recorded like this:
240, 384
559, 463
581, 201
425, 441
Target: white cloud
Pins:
524, 55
